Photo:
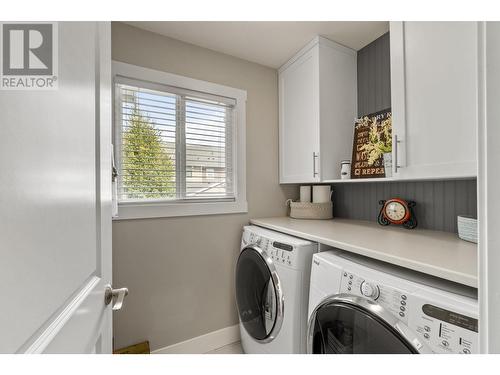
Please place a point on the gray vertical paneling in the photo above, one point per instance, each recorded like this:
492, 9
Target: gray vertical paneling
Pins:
428, 205
374, 76
449, 208
462, 204
472, 197
438, 202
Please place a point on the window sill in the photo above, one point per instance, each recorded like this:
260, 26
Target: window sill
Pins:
147, 210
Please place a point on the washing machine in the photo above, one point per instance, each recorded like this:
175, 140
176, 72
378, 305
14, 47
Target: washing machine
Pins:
272, 291
358, 305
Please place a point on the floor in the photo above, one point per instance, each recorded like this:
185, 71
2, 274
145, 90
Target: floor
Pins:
234, 348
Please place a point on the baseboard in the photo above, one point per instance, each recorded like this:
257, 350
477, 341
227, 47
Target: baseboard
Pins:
205, 343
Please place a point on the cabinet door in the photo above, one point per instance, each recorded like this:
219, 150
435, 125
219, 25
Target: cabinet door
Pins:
299, 119
434, 99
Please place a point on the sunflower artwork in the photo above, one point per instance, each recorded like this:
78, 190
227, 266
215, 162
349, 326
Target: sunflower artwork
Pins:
372, 139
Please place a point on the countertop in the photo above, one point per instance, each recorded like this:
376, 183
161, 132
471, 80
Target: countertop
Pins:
440, 254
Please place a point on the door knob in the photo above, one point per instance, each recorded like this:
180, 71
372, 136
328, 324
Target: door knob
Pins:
115, 295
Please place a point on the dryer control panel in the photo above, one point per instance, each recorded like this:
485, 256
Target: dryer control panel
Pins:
279, 252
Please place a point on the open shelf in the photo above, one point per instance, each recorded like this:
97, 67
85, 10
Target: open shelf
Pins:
392, 179
357, 180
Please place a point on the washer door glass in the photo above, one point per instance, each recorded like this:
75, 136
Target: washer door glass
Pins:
341, 328
256, 294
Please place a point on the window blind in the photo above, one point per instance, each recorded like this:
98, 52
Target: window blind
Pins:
172, 143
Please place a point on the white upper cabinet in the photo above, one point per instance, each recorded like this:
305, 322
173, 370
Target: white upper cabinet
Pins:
317, 108
434, 99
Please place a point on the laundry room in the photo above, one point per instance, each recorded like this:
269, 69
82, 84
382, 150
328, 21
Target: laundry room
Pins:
244, 189
298, 202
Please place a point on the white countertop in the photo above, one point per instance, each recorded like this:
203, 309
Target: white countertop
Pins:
440, 254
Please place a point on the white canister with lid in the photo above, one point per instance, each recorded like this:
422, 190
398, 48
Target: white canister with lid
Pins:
345, 170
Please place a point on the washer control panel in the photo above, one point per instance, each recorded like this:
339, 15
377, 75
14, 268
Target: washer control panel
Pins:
442, 329
394, 300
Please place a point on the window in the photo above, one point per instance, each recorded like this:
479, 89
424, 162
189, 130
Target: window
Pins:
210, 174
178, 145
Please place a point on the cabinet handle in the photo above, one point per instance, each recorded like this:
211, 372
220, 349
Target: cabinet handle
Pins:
396, 163
315, 156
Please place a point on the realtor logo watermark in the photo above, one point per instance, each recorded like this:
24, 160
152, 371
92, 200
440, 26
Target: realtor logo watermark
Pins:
28, 56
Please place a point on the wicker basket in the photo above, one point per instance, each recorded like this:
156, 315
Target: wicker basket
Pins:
306, 210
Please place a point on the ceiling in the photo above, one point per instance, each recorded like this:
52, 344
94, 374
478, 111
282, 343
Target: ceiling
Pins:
267, 43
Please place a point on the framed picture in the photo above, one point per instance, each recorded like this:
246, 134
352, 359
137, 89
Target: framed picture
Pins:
372, 146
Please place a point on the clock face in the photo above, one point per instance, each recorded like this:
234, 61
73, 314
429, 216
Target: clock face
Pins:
396, 211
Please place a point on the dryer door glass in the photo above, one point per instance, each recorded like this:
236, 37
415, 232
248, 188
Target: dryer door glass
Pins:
349, 329
256, 294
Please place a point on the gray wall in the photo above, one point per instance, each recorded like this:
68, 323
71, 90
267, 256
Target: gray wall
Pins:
180, 270
374, 76
438, 202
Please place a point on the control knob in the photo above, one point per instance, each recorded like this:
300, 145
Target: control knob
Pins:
369, 290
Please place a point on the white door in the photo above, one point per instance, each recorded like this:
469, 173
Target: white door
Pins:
489, 187
434, 98
299, 119
55, 215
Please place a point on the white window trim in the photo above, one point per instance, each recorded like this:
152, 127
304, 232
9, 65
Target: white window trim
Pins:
141, 210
